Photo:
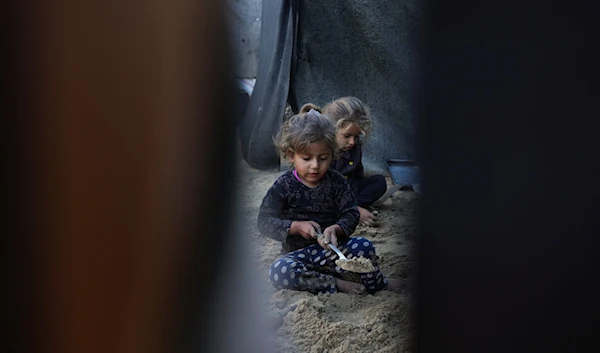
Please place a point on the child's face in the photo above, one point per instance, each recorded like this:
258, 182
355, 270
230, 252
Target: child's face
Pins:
347, 136
312, 163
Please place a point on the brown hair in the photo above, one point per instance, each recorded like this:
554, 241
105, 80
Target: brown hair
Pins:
349, 110
303, 129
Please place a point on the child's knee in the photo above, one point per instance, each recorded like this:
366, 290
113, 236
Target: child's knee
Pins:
379, 181
280, 272
360, 246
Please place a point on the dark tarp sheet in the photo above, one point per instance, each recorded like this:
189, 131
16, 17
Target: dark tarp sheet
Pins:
356, 47
265, 111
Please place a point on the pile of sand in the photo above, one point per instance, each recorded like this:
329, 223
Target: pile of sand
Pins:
356, 264
303, 322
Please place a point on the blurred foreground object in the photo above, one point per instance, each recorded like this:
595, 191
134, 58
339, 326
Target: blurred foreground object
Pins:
508, 247
125, 144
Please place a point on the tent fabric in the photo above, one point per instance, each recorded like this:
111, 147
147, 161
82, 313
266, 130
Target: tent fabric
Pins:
365, 49
267, 104
360, 48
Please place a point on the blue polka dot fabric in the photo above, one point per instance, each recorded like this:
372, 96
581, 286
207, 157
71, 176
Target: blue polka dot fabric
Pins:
313, 268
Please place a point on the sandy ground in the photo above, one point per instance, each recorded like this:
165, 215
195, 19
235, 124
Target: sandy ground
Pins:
303, 322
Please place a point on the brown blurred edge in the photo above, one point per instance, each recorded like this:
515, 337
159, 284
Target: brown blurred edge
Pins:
120, 98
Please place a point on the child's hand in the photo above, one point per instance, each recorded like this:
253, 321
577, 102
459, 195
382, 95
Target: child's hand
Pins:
366, 217
329, 237
307, 229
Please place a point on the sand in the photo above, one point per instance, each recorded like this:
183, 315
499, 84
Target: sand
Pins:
356, 264
335, 323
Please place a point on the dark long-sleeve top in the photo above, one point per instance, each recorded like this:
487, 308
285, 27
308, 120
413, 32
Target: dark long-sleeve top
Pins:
349, 164
288, 200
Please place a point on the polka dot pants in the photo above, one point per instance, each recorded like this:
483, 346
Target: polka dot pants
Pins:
313, 268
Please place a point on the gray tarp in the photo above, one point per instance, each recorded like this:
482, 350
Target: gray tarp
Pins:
267, 104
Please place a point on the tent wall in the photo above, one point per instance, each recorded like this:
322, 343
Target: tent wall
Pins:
366, 49
319, 51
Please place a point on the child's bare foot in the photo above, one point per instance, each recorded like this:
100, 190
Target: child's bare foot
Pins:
396, 285
349, 287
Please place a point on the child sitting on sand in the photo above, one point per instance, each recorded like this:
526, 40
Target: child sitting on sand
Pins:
309, 199
353, 123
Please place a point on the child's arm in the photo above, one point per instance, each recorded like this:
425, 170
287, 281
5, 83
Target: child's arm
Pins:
269, 222
360, 170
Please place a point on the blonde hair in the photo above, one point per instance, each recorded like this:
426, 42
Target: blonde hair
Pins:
303, 129
308, 106
350, 110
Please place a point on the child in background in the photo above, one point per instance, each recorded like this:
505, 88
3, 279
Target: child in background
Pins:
309, 199
353, 123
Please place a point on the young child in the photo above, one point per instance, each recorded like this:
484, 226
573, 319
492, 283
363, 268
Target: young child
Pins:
353, 122
309, 200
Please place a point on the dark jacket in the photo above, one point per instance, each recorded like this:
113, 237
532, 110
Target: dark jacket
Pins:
349, 163
288, 200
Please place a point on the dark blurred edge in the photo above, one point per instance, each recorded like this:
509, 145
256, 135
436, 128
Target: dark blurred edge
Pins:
216, 201
14, 194
508, 133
